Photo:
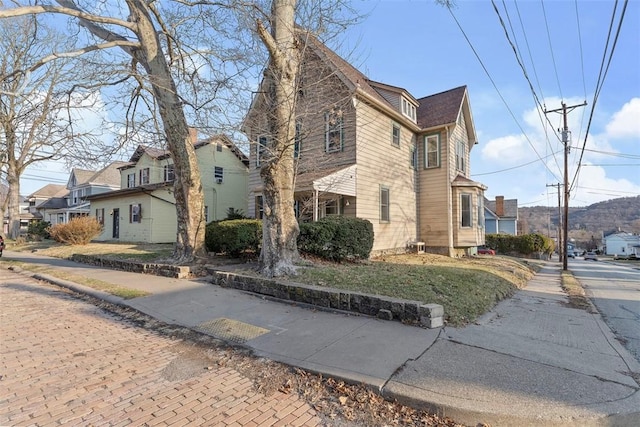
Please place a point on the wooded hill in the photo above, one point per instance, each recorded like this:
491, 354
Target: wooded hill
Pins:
595, 220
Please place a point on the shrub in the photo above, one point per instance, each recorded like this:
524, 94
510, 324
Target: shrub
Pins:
234, 237
526, 244
233, 213
78, 231
39, 229
337, 238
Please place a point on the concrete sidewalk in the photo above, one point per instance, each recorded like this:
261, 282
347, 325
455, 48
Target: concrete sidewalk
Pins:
531, 361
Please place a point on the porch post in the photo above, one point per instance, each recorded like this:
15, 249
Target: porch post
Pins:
315, 205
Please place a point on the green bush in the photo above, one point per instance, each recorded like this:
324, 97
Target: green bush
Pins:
233, 237
39, 229
78, 231
526, 244
337, 238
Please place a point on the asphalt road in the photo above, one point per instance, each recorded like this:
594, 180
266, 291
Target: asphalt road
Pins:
615, 291
64, 361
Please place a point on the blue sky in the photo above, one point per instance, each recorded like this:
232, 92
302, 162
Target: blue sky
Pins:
417, 45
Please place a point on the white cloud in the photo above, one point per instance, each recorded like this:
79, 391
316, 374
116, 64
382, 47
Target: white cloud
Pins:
626, 122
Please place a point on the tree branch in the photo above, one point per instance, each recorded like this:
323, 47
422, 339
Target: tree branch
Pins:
68, 8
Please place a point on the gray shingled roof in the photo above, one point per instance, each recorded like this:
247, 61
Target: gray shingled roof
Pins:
49, 190
441, 108
510, 207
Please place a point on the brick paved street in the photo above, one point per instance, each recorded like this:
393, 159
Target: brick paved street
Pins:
64, 361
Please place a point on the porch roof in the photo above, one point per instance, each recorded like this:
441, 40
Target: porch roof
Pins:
337, 181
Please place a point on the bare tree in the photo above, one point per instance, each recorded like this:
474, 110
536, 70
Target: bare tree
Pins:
37, 109
149, 66
280, 230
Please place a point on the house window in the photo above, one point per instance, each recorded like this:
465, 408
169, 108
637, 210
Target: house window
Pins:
135, 213
431, 151
461, 152
334, 131
480, 212
74, 198
259, 208
465, 210
219, 147
100, 216
332, 207
218, 173
131, 180
384, 204
395, 134
144, 176
414, 157
298, 140
408, 109
206, 214
261, 149
169, 173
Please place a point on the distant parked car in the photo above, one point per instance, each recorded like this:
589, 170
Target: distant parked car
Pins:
484, 250
571, 254
590, 256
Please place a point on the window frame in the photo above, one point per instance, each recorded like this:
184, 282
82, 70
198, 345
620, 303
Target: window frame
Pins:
131, 180
481, 212
169, 172
261, 147
395, 136
461, 156
332, 129
100, 215
427, 151
218, 174
135, 217
385, 208
259, 207
144, 176
297, 141
466, 215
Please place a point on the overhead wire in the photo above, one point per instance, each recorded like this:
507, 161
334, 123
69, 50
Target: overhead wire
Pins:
601, 78
516, 51
498, 90
553, 58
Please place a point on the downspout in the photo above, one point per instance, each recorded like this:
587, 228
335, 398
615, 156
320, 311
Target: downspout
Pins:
416, 186
449, 196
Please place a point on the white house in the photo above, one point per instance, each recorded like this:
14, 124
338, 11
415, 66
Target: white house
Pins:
622, 243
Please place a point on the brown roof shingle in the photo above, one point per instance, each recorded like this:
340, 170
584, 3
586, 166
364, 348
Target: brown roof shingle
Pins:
441, 108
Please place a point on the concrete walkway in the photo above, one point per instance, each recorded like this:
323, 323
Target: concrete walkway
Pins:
532, 360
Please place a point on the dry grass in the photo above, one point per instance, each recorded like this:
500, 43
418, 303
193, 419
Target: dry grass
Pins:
575, 292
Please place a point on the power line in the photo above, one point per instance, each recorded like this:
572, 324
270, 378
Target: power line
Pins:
553, 58
497, 90
515, 167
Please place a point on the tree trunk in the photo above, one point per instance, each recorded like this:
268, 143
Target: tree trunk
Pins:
280, 226
188, 184
14, 203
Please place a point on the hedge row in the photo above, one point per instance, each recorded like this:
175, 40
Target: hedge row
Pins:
526, 244
336, 238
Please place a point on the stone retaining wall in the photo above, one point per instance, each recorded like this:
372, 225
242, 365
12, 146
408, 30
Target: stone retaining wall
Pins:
166, 270
429, 315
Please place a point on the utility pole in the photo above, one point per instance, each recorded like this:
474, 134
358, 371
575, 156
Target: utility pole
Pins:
565, 141
561, 249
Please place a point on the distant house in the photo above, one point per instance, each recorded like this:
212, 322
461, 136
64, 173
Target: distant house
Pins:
374, 151
622, 243
501, 216
46, 202
83, 183
143, 210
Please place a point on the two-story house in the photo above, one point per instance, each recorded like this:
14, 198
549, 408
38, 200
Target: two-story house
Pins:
501, 216
46, 203
83, 183
143, 210
374, 151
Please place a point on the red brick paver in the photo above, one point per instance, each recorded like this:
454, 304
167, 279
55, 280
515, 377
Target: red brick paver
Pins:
66, 362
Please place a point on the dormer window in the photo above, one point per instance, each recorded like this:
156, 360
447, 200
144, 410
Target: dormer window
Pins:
408, 109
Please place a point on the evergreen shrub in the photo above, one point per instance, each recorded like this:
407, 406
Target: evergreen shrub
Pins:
233, 237
337, 238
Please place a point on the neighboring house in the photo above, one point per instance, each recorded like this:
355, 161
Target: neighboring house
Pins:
83, 183
501, 216
143, 210
45, 203
374, 151
622, 243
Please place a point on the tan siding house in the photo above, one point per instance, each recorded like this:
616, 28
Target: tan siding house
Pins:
372, 150
144, 209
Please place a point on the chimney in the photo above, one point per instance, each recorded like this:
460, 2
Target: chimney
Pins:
193, 135
500, 205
